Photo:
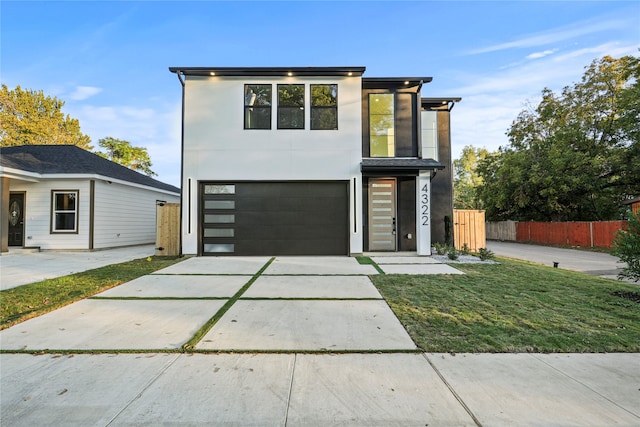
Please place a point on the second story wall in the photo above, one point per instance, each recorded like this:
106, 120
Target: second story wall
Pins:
217, 146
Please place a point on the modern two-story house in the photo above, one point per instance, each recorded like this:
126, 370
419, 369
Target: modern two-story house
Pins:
312, 161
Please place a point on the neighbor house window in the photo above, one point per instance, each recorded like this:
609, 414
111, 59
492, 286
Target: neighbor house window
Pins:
382, 139
64, 211
290, 106
257, 106
324, 107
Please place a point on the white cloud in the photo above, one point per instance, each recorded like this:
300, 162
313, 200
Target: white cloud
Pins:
554, 36
491, 101
157, 129
83, 92
538, 55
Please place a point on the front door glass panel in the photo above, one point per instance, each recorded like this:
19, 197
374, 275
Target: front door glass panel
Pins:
382, 215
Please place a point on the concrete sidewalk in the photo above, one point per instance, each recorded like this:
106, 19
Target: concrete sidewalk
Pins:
594, 263
307, 342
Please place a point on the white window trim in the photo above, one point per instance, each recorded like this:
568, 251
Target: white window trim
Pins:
54, 211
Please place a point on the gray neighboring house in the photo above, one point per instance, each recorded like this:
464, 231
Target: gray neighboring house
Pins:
61, 197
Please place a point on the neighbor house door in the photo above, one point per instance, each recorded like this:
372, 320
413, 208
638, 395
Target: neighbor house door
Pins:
16, 219
382, 214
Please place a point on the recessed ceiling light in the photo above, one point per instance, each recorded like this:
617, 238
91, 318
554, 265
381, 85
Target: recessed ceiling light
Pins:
406, 82
289, 74
350, 73
212, 73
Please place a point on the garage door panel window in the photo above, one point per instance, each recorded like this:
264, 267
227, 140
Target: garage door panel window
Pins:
219, 247
219, 189
64, 211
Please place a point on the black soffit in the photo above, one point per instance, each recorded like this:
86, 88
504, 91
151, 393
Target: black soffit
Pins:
399, 166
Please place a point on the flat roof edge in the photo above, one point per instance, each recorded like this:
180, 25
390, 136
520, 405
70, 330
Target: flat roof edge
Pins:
269, 71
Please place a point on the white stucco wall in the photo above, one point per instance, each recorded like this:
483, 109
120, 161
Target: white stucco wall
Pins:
217, 147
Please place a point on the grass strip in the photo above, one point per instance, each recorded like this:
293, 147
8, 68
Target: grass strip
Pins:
160, 298
190, 344
514, 306
27, 301
307, 299
365, 260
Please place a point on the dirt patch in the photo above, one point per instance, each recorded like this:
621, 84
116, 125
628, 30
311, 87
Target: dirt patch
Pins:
633, 296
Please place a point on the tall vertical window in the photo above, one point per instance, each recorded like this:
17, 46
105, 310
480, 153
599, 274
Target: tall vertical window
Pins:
64, 211
324, 107
382, 139
429, 120
257, 106
290, 106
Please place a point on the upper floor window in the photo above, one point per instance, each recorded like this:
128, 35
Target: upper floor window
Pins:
324, 107
382, 140
257, 106
429, 133
64, 211
290, 106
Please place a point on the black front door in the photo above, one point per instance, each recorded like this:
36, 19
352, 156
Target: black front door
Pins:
16, 219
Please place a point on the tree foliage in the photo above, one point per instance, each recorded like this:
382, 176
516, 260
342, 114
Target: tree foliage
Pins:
626, 245
28, 117
573, 157
123, 153
467, 179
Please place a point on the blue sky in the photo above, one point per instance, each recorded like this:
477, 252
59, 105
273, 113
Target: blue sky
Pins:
108, 60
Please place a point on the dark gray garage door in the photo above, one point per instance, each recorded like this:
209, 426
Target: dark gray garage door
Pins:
274, 218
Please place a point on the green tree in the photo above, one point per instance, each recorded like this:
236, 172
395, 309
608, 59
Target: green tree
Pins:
626, 245
467, 179
28, 117
575, 155
123, 153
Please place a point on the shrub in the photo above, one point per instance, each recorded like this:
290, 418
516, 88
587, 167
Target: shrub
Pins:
453, 254
626, 246
465, 249
486, 254
440, 248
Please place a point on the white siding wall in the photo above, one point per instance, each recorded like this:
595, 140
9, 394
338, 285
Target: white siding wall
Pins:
38, 214
125, 215
119, 209
217, 147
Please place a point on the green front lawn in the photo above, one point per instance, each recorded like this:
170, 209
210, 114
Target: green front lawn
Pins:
514, 307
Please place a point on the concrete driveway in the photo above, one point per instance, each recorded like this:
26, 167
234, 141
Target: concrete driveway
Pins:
594, 263
297, 341
20, 267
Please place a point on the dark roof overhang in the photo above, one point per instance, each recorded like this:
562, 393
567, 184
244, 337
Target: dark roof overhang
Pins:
398, 166
439, 103
394, 83
268, 71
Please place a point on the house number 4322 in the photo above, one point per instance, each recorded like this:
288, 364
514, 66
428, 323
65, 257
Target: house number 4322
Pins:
424, 204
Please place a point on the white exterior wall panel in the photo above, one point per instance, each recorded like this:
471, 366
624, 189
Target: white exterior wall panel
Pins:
218, 148
125, 215
37, 224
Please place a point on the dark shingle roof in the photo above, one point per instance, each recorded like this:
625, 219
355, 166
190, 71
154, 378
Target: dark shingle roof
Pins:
69, 159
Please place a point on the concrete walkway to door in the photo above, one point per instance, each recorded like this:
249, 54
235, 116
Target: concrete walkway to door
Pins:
290, 341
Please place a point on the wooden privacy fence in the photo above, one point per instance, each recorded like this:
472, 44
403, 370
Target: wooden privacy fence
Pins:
469, 229
598, 234
167, 229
